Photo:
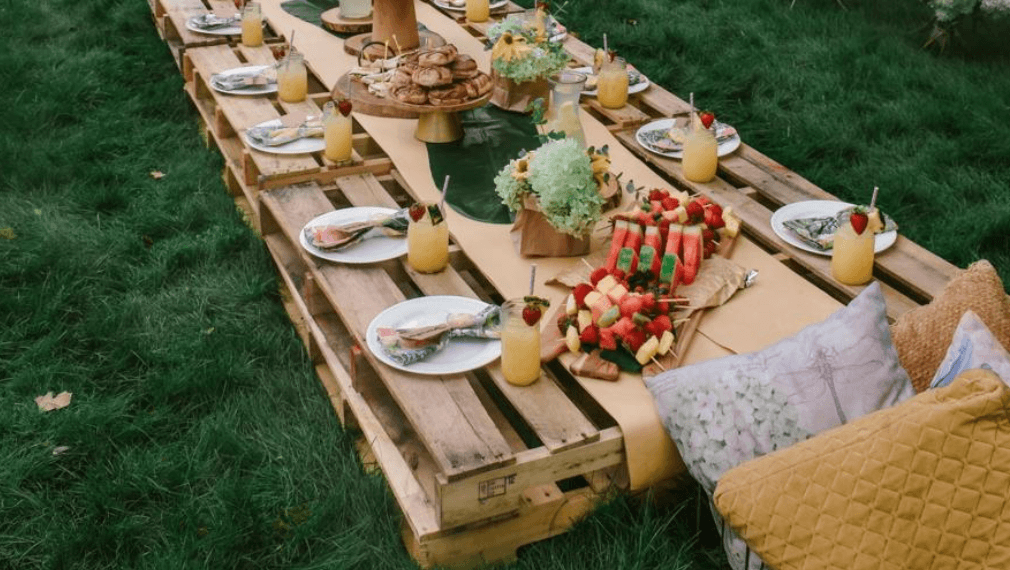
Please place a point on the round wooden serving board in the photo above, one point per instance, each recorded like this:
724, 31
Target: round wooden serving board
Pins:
333, 21
363, 101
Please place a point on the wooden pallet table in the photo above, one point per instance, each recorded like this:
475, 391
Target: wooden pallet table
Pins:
478, 466
170, 18
225, 117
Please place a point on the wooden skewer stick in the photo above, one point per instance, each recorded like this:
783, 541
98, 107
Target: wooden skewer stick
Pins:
656, 362
583, 260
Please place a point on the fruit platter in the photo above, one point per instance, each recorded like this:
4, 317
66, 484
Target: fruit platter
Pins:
628, 315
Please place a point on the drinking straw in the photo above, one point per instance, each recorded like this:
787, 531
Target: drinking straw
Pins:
873, 200
445, 189
291, 48
604, 43
533, 276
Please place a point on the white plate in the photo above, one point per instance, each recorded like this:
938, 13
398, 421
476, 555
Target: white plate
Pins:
252, 90
632, 89
300, 146
725, 147
229, 31
370, 250
460, 355
449, 6
820, 209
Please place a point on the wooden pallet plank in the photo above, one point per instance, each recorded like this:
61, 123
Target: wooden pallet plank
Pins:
500, 490
460, 437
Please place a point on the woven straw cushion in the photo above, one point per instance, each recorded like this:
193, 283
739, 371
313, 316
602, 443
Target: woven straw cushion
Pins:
922, 335
923, 484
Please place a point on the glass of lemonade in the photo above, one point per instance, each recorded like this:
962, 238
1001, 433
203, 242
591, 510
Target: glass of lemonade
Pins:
292, 78
701, 153
852, 256
520, 345
478, 10
337, 131
427, 239
612, 83
252, 25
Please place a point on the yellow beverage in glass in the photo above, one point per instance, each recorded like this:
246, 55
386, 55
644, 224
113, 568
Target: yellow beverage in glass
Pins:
428, 243
478, 10
701, 154
252, 25
612, 84
337, 134
520, 346
292, 79
852, 256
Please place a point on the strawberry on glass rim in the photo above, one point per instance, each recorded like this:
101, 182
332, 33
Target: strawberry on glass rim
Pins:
706, 118
344, 106
859, 219
534, 309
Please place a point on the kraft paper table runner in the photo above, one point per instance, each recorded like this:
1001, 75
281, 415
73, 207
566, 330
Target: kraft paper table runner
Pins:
652, 457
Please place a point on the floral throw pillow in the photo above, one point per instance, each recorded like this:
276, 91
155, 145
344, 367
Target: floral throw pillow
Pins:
729, 410
973, 346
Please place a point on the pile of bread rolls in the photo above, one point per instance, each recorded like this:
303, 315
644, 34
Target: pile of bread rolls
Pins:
440, 76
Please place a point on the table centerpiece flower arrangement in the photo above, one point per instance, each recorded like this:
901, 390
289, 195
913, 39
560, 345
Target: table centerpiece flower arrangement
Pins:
521, 61
559, 192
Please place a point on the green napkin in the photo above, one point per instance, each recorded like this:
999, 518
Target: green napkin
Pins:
492, 137
312, 11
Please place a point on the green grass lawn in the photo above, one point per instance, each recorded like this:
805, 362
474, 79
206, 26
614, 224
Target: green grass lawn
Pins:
198, 436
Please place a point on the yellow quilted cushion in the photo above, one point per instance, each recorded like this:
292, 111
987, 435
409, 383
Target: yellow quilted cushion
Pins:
924, 484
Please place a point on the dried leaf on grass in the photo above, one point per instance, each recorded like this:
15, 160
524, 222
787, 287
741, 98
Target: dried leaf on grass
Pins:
48, 402
7, 233
157, 174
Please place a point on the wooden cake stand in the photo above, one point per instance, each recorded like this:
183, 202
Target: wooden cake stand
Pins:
441, 123
337, 23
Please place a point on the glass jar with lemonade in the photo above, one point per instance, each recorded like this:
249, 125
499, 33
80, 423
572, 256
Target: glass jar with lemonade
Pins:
252, 25
612, 83
700, 159
292, 78
520, 340
427, 239
337, 131
852, 251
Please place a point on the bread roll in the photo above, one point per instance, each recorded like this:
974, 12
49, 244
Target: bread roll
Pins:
464, 67
445, 96
481, 83
401, 77
412, 94
432, 76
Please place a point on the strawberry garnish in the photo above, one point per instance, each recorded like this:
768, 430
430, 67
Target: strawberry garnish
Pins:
598, 274
670, 203
534, 309
417, 212
580, 291
695, 211
344, 106
859, 219
707, 118
657, 194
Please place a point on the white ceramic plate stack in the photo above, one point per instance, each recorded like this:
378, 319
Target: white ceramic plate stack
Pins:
819, 209
370, 250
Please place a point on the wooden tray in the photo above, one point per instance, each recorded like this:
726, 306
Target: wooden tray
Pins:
365, 102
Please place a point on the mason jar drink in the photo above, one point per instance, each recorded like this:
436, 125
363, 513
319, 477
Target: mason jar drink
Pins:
520, 345
427, 239
252, 25
612, 83
292, 78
